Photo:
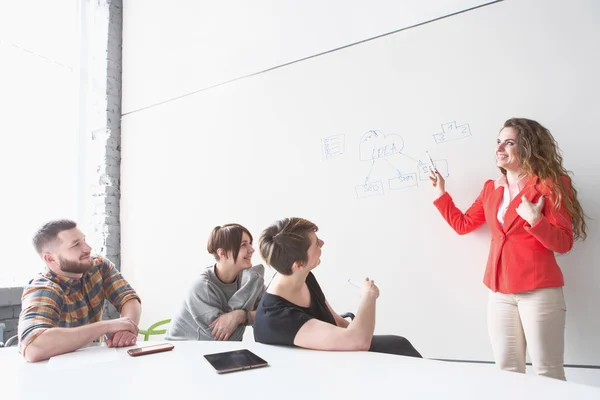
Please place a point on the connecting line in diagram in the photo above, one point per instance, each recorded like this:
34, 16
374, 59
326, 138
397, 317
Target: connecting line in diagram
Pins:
377, 147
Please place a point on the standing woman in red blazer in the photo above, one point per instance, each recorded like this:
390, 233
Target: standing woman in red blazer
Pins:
533, 212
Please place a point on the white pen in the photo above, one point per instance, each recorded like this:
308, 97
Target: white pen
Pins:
353, 284
431, 160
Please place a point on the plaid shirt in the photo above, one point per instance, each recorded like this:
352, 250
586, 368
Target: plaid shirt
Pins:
51, 300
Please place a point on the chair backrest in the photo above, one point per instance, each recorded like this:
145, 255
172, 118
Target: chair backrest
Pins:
12, 341
153, 331
348, 315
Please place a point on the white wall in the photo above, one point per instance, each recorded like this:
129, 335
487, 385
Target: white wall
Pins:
187, 45
39, 134
201, 160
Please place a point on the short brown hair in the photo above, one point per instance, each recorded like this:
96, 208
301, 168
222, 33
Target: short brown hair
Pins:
49, 232
227, 237
285, 242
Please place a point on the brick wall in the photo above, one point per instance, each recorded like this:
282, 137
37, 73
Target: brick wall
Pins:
104, 122
10, 307
104, 48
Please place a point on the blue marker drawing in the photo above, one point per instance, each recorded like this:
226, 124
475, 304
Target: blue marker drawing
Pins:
440, 165
403, 182
333, 146
375, 145
451, 131
369, 189
394, 168
370, 170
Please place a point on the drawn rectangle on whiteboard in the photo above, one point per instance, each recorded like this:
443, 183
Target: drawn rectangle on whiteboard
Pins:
369, 189
441, 165
451, 131
333, 146
403, 182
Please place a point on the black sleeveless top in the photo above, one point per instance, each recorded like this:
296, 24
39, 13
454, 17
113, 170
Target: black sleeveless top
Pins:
277, 320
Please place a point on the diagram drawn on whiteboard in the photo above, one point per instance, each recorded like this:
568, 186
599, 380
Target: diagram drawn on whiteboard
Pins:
440, 165
451, 131
369, 189
403, 182
383, 153
333, 146
377, 148
375, 145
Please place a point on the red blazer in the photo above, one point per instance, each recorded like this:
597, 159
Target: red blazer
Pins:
521, 256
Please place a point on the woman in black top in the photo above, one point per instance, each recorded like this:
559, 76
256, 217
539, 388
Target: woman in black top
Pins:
294, 310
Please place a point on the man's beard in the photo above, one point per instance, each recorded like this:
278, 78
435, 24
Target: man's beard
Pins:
74, 267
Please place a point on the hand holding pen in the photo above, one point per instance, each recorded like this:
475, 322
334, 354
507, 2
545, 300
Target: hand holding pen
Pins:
437, 180
368, 288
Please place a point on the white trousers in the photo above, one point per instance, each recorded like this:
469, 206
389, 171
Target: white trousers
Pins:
532, 321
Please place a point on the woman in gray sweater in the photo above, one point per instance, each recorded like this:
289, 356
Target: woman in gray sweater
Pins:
222, 301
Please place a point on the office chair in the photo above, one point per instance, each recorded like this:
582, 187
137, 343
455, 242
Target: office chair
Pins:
10, 342
153, 331
348, 315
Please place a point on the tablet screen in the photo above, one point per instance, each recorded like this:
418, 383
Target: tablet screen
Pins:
235, 360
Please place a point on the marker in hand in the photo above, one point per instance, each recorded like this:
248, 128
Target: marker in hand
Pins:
367, 291
431, 161
350, 281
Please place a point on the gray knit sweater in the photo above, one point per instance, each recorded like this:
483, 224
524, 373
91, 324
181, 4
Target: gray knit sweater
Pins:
208, 297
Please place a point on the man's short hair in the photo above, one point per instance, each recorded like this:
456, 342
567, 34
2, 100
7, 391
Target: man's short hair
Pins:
285, 242
49, 233
227, 237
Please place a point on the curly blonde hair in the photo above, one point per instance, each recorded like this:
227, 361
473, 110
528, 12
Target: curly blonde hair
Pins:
540, 155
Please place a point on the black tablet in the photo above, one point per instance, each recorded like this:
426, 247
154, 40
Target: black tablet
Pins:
236, 360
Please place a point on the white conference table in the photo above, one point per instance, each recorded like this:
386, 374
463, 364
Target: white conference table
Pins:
103, 373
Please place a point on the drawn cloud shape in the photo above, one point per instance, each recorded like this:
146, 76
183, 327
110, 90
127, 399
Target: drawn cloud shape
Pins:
375, 145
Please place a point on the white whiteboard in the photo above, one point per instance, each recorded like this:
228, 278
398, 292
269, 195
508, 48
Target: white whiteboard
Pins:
191, 45
253, 151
